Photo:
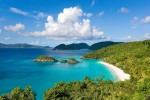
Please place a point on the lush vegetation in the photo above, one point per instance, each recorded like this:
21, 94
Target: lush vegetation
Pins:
19, 94
100, 45
133, 58
73, 46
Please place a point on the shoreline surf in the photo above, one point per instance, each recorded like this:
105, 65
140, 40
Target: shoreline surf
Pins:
119, 74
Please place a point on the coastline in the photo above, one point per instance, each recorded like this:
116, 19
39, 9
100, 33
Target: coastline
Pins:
119, 74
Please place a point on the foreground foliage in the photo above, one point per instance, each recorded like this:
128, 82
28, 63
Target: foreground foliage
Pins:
100, 90
19, 94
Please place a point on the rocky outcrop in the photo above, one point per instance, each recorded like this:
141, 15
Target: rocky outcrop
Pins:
44, 58
70, 61
63, 61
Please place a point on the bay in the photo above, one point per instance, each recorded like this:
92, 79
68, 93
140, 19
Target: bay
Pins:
18, 70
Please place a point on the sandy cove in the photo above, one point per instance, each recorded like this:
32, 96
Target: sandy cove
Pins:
120, 75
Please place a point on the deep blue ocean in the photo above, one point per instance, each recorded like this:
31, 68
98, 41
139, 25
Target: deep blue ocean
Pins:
18, 70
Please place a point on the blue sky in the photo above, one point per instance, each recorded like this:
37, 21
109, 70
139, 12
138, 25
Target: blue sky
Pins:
51, 22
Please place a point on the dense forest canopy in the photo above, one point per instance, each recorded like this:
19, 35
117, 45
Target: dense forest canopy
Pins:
100, 45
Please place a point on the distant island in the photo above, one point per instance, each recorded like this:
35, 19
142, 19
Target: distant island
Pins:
44, 58
79, 46
72, 46
23, 45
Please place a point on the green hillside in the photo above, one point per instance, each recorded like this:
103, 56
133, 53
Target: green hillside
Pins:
133, 57
103, 44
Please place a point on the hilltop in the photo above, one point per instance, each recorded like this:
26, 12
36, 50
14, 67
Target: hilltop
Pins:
72, 46
100, 45
78, 46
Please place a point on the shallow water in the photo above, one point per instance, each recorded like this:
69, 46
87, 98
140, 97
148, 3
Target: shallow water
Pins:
17, 69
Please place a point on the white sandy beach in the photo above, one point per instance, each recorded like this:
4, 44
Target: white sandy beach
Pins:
119, 74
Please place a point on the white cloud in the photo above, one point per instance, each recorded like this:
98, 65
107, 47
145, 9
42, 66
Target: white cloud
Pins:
123, 10
147, 36
146, 19
87, 14
101, 13
7, 38
34, 14
93, 3
68, 25
18, 11
71, 14
14, 28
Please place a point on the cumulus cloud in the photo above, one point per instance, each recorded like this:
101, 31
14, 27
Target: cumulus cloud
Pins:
123, 10
14, 28
147, 36
87, 14
68, 25
101, 13
146, 19
71, 14
18, 11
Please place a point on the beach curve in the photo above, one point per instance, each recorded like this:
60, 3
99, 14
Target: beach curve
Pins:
119, 74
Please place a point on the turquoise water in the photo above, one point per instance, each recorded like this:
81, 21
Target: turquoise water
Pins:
17, 69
